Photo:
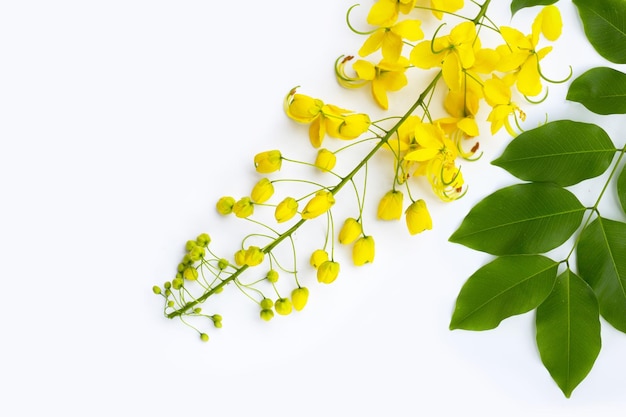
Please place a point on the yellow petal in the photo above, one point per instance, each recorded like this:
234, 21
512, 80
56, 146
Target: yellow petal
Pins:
372, 43
365, 70
422, 155
422, 56
551, 23
380, 94
452, 72
497, 92
469, 126
392, 47
317, 131
528, 79
383, 13
409, 29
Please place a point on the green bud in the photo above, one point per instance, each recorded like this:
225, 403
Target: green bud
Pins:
177, 283
272, 275
223, 263
203, 240
204, 337
219, 290
190, 245
167, 285
190, 273
267, 304
170, 304
267, 315
283, 306
197, 310
196, 253
168, 292
217, 324
156, 289
217, 317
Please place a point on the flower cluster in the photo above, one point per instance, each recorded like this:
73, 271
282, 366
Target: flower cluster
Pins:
424, 147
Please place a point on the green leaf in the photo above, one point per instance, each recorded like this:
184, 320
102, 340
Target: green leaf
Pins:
563, 152
604, 22
521, 219
601, 90
568, 331
507, 286
601, 258
621, 188
516, 5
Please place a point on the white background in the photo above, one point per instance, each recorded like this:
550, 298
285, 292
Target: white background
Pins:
122, 122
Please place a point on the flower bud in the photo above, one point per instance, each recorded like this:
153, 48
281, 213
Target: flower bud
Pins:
350, 231
225, 205
204, 337
350, 127
190, 245
253, 256
327, 272
177, 283
301, 108
283, 306
240, 257
325, 160
363, 251
299, 297
197, 253
418, 218
262, 191
243, 207
156, 289
203, 240
268, 161
190, 273
319, 204
390, 206
267, 314
267, 304
286, 209
318, 257
272, 276
222, 263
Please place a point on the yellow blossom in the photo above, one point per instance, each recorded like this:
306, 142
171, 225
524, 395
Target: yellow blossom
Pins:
299, 297
268, 161
350, 231
286, 209
440, 6
327, 272
325, 160
390, 206
363, 251
225, 205
418, 218
318, 205
253, 256
325, 119
262, 191
243, 207
385, 12
318, 257
390, 39
498, 96
385, 76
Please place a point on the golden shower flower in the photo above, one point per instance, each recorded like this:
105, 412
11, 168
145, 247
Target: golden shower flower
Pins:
327, 272
385, 12
440, 6
225, 205
268, 161
498, 96
243, 207
262, 191
318, 205
325, 160
418, 218
350, 231
318, 257
390, 39
390, 206
325, 119
363, 251
286, 209
299, 298
385, 76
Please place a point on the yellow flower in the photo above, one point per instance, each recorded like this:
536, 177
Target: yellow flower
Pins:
253, 256
350, 231
520, 53
454, 53
325, 160
390, 39
318, 257
318, 205
433, 142
283, 306
498, 96
268, 161
286, 209
418, 218
327, 272
299, 297
390, 206
243, 207
440, 6
225, 205
325, 119
262, 191
363, 251
385, 76
385, 12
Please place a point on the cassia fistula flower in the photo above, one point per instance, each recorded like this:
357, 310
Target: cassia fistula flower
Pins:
299, 298
286, 209
385, 12
225, 205
243, 207
325, 160
262, 191
319, 204
383, 77
268, 161
418, 218
390, 39
390, 206
318, 257
327, 272
350, 231
363, 251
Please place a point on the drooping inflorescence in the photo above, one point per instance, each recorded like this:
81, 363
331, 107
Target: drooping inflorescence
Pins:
425, 147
